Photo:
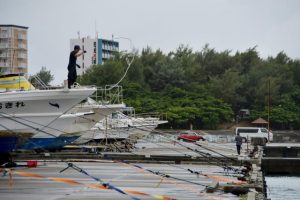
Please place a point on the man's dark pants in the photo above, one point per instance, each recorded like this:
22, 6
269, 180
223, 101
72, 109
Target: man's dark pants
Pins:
238, 148
72, 76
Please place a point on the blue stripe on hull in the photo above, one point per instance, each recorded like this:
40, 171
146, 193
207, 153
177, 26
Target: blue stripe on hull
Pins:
7, 144
47, 143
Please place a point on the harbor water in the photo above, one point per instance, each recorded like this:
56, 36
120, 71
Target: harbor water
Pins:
283, 187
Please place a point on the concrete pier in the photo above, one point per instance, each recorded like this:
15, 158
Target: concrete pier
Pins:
204, 173
281, 159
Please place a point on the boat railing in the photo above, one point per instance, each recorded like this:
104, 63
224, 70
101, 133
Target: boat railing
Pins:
130, 112
160, 116
109, 95
37, 82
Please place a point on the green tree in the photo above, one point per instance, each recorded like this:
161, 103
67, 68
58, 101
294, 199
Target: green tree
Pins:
207, 87
44, 75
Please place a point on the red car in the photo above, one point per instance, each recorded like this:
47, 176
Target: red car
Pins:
190, 136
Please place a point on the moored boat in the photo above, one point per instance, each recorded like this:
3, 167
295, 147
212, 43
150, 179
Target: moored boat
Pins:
26, 110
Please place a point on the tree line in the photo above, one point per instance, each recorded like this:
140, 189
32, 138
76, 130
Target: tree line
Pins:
206, 88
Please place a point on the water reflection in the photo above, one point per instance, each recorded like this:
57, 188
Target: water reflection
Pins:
283, 187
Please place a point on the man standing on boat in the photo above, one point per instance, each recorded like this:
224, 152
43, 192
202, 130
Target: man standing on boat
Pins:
239, 142
72, 75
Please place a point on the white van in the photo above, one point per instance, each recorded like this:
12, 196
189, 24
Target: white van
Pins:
253, 132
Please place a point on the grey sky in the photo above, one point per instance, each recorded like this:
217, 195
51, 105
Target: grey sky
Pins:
273, 25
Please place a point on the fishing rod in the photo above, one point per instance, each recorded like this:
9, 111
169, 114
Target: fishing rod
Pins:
36, 123
13, 163
103, 183
208, 149
22, 123
107, 185
136, 119
229, 158
155, 172
198, 173
164, 175
205, 155
194, 150
32, 127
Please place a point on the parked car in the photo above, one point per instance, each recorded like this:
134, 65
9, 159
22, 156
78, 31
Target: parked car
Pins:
248, 132
190, 136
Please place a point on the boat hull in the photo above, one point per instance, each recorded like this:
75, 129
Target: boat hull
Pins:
93, 114
7, 144
47, 143
23, 110
132, 133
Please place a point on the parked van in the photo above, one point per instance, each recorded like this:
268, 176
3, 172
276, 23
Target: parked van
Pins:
253, 132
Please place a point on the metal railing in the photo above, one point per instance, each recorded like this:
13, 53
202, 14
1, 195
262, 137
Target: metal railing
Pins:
161, 116
38, 82
109, 95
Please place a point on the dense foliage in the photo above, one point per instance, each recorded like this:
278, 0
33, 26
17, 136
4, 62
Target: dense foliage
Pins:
207, 88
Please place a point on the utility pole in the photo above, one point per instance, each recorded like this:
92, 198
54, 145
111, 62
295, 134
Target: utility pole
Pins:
269, 104
106, 124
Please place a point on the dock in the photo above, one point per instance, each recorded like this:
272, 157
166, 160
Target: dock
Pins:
158, 170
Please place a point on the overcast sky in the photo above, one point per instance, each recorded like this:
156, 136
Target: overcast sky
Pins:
272, 25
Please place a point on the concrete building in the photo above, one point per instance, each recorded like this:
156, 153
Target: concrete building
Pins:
13, 49
98, 51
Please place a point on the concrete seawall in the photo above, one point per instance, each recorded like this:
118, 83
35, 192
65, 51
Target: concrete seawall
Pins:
281, 159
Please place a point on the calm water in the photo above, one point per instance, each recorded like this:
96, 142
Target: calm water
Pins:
283, 187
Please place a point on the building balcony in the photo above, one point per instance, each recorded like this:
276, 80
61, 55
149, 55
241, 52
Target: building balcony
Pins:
22, 66
110, 48
3, 64
4, 35
22, 46
22, 56
3, 46
21, 37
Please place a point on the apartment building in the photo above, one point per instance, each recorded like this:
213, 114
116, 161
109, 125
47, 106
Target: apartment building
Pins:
97, 51
13, 49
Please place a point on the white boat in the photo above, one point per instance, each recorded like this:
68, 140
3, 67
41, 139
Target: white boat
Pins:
120, 126
76, 123
57, 127
94, 112
27, 111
